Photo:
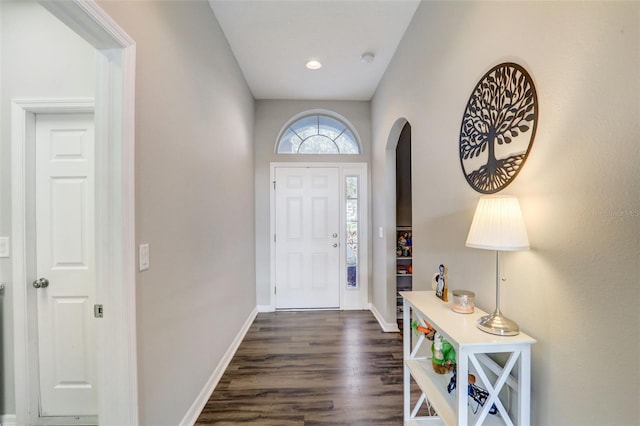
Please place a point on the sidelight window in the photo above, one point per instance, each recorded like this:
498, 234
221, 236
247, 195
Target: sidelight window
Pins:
352, 224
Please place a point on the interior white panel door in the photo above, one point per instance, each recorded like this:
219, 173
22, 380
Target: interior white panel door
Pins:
64, 181
307, 245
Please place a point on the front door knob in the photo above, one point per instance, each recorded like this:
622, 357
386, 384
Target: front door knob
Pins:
41, 283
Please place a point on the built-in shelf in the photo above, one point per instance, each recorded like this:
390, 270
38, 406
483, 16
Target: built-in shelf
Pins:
404, 262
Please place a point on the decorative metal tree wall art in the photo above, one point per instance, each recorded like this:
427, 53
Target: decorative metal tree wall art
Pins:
498, 127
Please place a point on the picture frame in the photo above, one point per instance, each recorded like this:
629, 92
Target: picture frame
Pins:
440, 283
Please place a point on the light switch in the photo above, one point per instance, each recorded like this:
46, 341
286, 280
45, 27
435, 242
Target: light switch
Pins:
143, 257
380, 232
4, 246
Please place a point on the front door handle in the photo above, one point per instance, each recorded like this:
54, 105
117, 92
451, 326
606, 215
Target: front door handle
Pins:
41, 283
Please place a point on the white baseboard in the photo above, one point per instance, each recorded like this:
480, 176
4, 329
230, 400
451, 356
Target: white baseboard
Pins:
194, 411
266, 308
8, 420
387, 327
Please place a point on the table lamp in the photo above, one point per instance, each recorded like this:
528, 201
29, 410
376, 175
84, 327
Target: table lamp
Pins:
498, 225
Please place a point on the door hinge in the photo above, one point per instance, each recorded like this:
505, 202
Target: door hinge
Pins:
98, 311
274, 238
274, 185
275, 290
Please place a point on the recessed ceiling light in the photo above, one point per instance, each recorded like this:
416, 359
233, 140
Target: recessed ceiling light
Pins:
367, 57
314, 64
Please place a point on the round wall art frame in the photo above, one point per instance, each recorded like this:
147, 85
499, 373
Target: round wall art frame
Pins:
498, 127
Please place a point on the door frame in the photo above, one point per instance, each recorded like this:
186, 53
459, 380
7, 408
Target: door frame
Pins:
115, 216
23, 235
350, 299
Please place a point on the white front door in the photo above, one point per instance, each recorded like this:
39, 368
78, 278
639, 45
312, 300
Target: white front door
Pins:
307, 229
65, 257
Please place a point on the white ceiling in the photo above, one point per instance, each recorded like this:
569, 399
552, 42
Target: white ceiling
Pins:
273, 39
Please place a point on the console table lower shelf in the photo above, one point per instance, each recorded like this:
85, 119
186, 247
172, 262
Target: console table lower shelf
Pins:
431, 385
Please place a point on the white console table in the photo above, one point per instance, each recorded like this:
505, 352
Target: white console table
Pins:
510, 393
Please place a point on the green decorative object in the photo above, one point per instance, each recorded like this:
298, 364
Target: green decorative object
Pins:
444, 355
426, 329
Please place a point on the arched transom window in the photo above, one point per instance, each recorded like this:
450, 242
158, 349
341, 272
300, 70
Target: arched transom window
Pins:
318, 134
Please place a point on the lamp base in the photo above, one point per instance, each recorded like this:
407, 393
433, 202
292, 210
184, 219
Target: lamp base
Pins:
496, 323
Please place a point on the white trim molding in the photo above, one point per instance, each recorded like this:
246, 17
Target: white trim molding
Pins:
350, 298
196, 408
387, 327
8, 420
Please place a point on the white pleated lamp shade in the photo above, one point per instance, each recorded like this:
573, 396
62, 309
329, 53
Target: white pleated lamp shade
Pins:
498, 225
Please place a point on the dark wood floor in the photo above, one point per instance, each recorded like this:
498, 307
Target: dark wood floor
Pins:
311, 368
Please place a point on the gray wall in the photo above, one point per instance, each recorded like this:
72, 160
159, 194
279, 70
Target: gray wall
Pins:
32, 42
577, 290
194, 199
270, 117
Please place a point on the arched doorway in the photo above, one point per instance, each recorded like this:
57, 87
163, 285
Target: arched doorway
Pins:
404, 234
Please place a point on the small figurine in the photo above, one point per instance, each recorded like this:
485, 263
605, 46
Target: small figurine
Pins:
476, 393
428, 331
409, 244
444, 355
402, 245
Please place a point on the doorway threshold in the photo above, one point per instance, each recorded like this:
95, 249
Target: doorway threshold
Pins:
67, 421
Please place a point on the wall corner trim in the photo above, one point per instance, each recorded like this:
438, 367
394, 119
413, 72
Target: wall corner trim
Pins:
266, 308
194, 411
387, 327
8, 420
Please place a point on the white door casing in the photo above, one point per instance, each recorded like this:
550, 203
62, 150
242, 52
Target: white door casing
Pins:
115, 217
65, 241
349, 298
307, 238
